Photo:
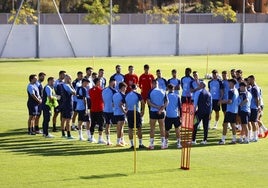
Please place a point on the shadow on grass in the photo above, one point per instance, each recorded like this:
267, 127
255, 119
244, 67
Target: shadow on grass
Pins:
20, 60
19, 142
103, 176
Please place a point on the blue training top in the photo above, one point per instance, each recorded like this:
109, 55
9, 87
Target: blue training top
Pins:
234, 96
118, 98
176, 83
133, 98
157, 97
172, 109
186, 86
107, 96
215, 86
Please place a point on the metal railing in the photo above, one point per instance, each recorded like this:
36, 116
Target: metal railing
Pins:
186, 18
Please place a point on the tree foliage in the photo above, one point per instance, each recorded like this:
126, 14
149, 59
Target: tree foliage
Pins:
164, 15
26, 15
225, 11
218, 9
99, 11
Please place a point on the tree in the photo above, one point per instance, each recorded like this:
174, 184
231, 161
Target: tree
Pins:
99, 11
26, 14
164, 15
224, 10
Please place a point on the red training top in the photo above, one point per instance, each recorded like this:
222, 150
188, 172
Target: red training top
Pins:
131, 79
95, 95
145, 83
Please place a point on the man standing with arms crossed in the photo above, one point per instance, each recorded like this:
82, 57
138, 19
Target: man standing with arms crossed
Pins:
157, 100
132, 101
34, 100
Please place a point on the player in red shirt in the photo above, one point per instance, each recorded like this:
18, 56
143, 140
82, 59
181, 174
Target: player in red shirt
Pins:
96, 111
145, 84
131, 78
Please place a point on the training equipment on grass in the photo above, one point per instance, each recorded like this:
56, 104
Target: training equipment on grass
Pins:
186, 134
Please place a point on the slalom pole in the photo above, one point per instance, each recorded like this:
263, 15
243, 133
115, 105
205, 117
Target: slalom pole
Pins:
207, 63
93, 61
134, 135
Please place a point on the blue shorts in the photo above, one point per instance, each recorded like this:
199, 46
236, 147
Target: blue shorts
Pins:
119, 118
82, 116
230, 117
33, 109
155, 115
215, 106
244, 117
172, 121
253, 115
109, 118
130, 119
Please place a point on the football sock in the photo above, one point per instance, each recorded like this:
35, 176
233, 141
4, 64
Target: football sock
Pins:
131, 142
62, 132
140, 141
68, 133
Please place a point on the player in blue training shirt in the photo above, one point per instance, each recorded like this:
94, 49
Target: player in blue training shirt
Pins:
255, 107
195, 84
175, 81
216, 90
76, 83
67, 106
119, 113
107, 96
157, 100
203, 108
34, 100
118, 77
82, 108
186, 81
162, 82
231, 111
41, 78
172, 115
58, 89
102, 78
244, 111
132, 100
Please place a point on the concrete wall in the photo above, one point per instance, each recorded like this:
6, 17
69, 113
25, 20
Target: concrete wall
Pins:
210, 38
133, 40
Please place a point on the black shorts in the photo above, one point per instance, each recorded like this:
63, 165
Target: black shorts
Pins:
172, 121
186, 99
82, 116
119, 118
230, 117
155, 115
67, 113
215, 105
33, 110
74, 106
130, 119
253, 115
97, 119
224, 107
109, 118
244, 117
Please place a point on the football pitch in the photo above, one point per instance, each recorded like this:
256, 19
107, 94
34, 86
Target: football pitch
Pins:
34, 161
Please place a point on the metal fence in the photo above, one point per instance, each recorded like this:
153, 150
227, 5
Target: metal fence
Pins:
145, 18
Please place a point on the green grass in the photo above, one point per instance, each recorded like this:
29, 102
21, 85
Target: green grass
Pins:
32, 161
